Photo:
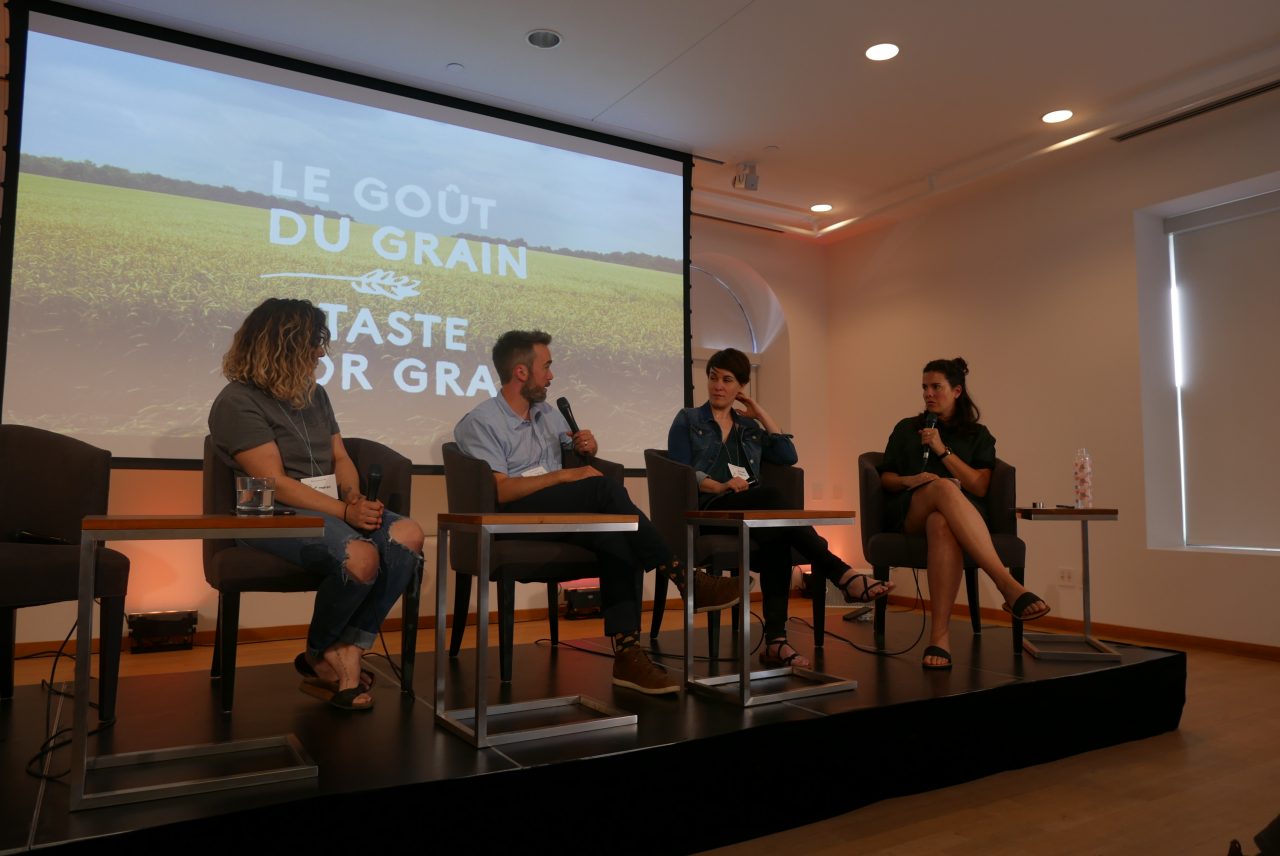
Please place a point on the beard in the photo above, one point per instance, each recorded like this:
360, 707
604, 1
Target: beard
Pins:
533, 393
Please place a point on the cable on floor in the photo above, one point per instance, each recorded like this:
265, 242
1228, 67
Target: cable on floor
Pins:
58, 739
919, 604
661, 654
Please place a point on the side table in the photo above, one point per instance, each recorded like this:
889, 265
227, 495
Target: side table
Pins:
720, 686
94, 531
472, 724
1059, 646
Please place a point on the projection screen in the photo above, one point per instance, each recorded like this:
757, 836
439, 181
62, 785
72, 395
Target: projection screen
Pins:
165, 190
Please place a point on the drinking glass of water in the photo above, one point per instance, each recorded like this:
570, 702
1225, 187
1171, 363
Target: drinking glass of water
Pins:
255, 496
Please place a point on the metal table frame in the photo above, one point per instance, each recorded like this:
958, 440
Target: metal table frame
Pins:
472, 724
721, 686
1098, 650
94, 531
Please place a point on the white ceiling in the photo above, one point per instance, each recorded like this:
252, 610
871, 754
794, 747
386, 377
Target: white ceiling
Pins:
727, 80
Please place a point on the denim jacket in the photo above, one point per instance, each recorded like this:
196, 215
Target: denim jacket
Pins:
694, 440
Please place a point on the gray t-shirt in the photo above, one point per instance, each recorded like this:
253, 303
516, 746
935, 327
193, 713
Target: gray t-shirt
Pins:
244, 417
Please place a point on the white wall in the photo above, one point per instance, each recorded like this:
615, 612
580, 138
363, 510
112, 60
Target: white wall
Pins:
1033, 280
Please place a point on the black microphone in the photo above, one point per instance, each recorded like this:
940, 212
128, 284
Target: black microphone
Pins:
930, 420
374, 482
567, 412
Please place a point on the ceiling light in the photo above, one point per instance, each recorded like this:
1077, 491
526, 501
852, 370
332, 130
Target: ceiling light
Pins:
1053, 117
880, 53
820, 208
543, 38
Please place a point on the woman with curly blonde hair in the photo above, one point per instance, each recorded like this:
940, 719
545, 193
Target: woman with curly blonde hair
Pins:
273, 420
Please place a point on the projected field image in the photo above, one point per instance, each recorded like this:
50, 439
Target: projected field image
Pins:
124, 301
209, 183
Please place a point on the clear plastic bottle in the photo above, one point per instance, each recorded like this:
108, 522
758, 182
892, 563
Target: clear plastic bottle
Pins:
1083, 470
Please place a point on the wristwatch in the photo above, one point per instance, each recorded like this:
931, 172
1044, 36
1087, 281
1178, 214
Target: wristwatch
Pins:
946, 450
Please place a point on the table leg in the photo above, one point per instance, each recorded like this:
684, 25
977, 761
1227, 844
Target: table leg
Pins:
690, 534
744, 610
1084, 575
442, 583
482, 642
84, 644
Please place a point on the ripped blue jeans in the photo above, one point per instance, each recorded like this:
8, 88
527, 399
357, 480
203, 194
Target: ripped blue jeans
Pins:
346, 609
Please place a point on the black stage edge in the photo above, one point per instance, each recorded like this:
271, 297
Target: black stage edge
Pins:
694, 774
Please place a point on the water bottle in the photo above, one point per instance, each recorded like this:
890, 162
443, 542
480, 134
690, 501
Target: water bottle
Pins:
1084, 479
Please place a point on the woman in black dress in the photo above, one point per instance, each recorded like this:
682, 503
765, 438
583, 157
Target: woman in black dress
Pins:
943, 498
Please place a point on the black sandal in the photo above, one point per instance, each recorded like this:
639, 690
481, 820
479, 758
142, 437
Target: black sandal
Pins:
776, 660
941, 654
309, 676
1026, 601
869, 584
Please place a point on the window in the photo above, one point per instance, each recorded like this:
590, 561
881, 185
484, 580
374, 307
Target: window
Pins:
1211, 378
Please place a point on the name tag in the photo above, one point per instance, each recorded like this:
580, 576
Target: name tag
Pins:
536, 471
328, 485
738, 472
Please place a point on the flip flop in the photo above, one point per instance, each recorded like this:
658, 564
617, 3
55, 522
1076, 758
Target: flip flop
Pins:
309, 677
941, 654
1024, 602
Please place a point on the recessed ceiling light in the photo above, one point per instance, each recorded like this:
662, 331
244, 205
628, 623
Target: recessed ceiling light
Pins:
820, 208
1053, 117
880, 53
543, 38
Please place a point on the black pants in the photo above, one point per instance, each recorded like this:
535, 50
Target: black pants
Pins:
624, 556
774, 547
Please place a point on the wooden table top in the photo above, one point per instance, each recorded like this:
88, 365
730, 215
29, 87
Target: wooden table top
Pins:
559, 519
1067, 513
786, 514
212, 522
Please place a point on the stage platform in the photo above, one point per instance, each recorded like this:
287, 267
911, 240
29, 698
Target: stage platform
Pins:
694, 773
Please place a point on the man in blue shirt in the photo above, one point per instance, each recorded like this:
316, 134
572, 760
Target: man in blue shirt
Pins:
522, 439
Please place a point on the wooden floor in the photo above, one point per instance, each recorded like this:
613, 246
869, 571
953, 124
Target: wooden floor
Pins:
1187, 792
1191, 791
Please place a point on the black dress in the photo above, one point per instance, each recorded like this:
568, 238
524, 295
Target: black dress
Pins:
903, 455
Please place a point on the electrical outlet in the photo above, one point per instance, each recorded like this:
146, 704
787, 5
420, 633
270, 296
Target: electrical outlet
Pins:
1066, 576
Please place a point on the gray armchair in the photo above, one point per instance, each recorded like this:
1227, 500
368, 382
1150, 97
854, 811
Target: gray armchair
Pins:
471, 490
885, 550
673, 490
232, 569
54, 483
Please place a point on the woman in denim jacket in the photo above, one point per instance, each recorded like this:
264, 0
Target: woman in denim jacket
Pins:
725, 447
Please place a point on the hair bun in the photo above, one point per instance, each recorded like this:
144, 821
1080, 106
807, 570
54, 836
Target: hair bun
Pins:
961, 365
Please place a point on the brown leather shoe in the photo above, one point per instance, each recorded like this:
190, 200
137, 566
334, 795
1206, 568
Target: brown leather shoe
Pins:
633, 669
713, 592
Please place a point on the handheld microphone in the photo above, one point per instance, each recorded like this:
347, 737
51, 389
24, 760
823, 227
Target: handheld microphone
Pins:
930, 421
567, 412
374, 482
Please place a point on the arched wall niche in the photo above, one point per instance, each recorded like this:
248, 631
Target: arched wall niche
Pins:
733, 306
